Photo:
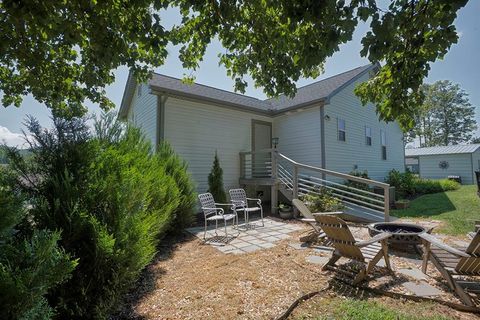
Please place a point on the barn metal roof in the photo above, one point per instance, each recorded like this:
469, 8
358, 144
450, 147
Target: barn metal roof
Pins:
459, 148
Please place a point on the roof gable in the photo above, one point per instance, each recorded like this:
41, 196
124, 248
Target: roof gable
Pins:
320, 91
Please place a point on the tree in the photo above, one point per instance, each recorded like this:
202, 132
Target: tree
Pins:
215, 181
64, 52
31, 262
475, 140
446, 117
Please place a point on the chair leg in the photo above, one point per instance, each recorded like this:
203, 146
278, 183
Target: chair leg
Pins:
385, 255
225, 225
332, 261
261, 214
205, 231
360, 277
216, 227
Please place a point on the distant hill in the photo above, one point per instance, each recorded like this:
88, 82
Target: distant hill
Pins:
3, 156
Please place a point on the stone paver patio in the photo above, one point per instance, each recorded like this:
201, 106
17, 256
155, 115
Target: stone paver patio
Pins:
243, 240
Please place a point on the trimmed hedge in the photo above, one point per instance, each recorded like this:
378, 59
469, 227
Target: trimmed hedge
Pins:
408, 185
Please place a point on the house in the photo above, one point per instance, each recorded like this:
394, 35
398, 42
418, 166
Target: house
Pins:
324, 126
444, 161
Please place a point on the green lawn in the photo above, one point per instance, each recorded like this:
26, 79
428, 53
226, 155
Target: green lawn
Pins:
456, 208
350, 309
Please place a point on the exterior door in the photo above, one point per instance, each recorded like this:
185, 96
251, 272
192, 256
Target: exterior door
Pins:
261, 140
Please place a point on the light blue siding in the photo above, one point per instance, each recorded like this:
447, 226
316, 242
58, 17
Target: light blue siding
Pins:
458, 165
196, 130
299, 135
343, 156
143, 113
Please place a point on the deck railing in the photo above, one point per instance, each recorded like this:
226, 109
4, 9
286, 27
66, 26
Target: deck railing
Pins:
356, 193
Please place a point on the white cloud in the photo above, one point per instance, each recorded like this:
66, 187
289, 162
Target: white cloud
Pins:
11, 139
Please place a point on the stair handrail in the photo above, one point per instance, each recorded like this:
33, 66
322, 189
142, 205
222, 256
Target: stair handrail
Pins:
333, 173
297, 165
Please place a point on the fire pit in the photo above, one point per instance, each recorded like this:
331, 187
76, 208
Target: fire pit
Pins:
403, 234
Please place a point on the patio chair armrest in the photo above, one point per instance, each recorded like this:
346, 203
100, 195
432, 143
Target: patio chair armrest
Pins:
259, 201
377, 238
437, 243
238, 202
310, 220
216, 209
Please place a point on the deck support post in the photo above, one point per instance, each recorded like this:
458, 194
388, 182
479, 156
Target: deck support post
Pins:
386, 199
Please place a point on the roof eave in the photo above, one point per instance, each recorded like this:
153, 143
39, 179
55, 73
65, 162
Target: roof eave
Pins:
352, 80
179, 94
127, 96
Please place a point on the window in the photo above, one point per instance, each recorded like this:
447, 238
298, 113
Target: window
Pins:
341, 129
368, 136
383, 141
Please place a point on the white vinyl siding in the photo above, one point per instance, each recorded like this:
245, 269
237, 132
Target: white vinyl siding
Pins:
458, 165
299, 135
196, 130
143, 113
344, 157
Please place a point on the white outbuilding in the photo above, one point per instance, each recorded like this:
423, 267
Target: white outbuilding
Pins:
445, 161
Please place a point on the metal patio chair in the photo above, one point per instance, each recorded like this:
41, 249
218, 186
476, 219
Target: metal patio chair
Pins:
239, 198
212, 212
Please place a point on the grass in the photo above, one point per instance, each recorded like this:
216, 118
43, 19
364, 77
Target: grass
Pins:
456, 208
351, 309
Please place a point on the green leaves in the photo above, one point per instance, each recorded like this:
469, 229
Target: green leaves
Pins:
446, 116
65, 52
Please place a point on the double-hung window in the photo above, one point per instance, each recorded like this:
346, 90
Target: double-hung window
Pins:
383, 141
368, 136
341, 130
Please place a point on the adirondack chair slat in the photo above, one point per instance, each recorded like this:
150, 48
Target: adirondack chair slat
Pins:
347, 246
450, 261
309, 218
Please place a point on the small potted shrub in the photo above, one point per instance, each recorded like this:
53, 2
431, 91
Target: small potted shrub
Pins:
323, 200
402, 204
285, 211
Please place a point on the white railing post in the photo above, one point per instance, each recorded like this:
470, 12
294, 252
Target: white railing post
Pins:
386, 199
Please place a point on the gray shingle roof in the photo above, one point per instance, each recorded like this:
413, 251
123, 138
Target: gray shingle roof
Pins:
168, 84
459, 148
319, 90
316, 92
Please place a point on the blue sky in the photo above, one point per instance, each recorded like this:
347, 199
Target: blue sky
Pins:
461, 65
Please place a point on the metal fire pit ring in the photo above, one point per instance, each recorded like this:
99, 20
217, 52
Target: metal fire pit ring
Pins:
403, 234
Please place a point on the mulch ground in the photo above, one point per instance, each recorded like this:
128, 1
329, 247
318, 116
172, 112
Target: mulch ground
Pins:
191, 280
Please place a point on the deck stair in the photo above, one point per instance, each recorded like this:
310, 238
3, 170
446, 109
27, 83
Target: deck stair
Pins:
365, 200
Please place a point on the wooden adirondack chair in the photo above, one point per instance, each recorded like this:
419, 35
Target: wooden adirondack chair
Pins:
310, 219
367, 252
454, 262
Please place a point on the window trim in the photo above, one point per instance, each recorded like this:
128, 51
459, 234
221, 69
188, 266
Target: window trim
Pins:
368, 136
339, 130
383, 144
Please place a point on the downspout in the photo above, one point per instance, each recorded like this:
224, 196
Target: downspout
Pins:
322, 139
160, 132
